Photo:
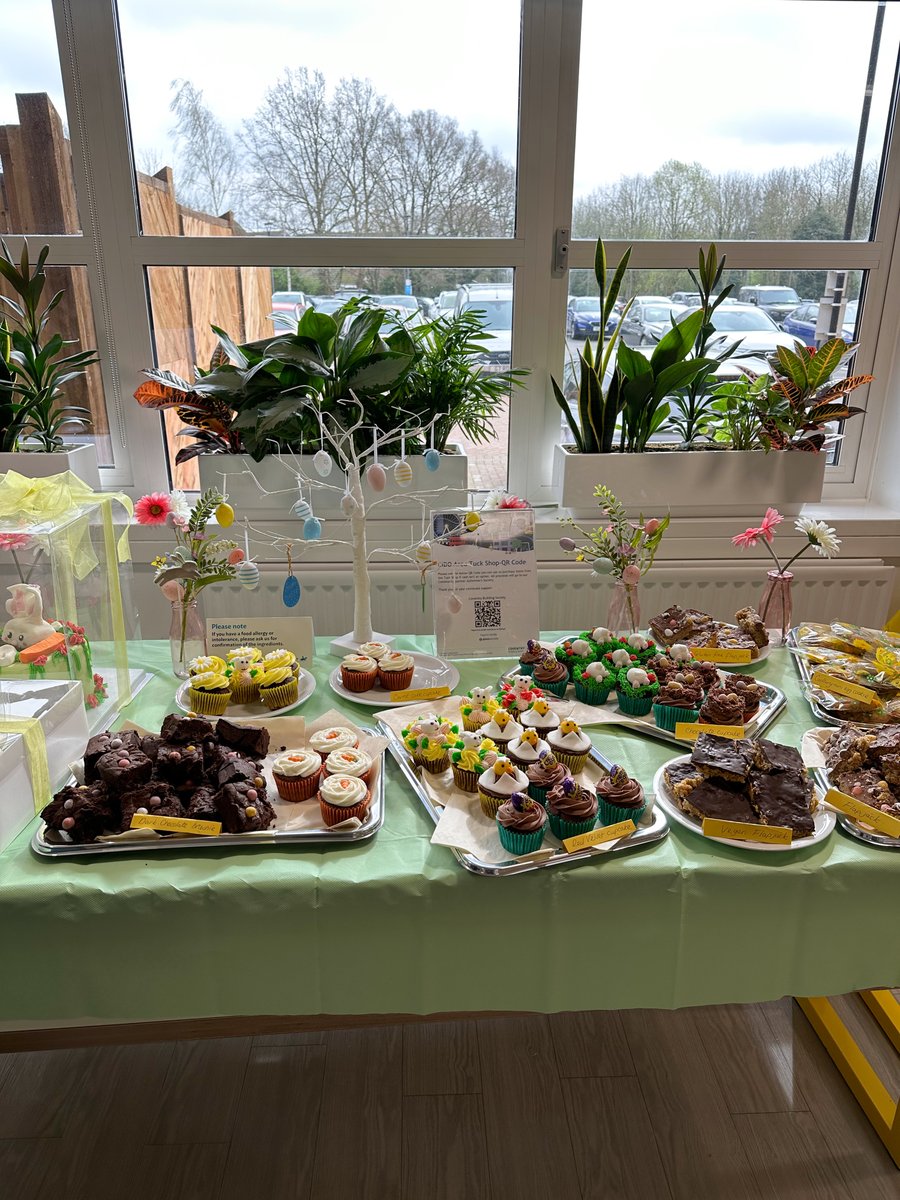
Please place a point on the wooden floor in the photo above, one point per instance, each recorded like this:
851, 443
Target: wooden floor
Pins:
706, 1104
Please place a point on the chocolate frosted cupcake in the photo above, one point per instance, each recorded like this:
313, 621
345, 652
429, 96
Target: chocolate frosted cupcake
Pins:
620, 798
548, 772
527, 748
533, 653
750, 691
551, 676
572, 809
722, 708
676, 702
521, 822
708, 672
570, 745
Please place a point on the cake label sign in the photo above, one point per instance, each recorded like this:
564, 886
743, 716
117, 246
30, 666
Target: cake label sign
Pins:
689, 731
841, 687
746, 831
606, 833
432, 693
865, 813
176, 825
720, 654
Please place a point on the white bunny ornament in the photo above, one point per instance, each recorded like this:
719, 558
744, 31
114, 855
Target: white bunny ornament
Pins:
26, 626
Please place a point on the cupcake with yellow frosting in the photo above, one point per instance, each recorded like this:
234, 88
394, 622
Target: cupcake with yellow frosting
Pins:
470, 757
281, 658
209, 693
206, 662
278, 687
428, 739
244, 671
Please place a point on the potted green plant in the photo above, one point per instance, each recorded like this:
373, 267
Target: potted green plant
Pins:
34, 371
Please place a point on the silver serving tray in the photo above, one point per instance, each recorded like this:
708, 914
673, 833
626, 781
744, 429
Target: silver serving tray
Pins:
770, 706
225, 841
849, 826
644, 835
822, 714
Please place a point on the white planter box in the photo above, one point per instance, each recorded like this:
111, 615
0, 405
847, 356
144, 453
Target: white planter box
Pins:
690, 483
243, 479
80, 460
59, 706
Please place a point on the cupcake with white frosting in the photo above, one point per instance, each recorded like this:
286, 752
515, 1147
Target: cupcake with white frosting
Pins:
297, 774
335, 737
359, 672
395, 670
342, 797
349, 762
570, 745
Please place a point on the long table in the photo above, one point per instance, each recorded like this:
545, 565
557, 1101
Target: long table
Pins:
395, 925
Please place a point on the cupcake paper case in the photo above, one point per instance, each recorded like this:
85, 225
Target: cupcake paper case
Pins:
209, 693
572, 809
521, 823
620, 798
636, 690
498, 783
278, 687
395, 670
297, 775
570, 745
342, 797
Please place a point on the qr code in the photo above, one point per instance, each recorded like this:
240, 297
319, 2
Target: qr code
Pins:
488, 614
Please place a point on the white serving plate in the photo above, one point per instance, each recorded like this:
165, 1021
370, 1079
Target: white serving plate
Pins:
823, 818
429, 672
306, 685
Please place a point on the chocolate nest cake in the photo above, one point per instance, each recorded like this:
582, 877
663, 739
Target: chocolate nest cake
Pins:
695, 628
866, 765
192, 768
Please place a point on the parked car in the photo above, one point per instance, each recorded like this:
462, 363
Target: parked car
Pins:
446, 303
583, 317
776, 301
692, 298
287, 302
757, 331
801, 323
648, 319
330, 304
494, 301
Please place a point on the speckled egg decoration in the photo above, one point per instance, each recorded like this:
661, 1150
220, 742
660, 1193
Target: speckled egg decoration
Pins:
323, 463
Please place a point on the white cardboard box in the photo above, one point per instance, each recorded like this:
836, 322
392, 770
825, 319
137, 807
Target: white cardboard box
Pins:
59, 706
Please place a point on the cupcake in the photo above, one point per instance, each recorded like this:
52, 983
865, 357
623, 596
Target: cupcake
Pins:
297, 774
572, 809
708, 672
593, 683
642, 646
517, 693
335, 737
498, 782
427, 739
570, 745
395, 670
342, 797
574, 652
209, 693
358, 672
540, 716
620, 798
244, 672
470, 757
526, 749
206, 662
477, 708
636, 690
502, 728
281, 658
662, 666
521, 823
545, 774
604, 640
722, 707
533, 653
551, 675
278, 687
749, 690
676, 702
376, 650
622, 658
349, 762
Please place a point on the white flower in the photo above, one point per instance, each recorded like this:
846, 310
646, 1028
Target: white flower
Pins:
821, 536
180, 505
494, 500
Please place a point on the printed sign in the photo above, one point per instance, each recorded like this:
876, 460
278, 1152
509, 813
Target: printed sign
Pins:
840, 687
265, 633
596, 837
746, 831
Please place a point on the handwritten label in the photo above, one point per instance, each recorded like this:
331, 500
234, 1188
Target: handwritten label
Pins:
720, 654
176, 825
865, 813
432, 693
689, 731
606, 833
746, 831
840, 687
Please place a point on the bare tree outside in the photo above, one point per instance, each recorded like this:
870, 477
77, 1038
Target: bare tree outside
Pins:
208, 168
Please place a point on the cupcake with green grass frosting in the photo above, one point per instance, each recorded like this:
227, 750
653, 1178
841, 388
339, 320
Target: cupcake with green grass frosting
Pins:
575, 652
278, 687
593, 683
636, 690
521, 823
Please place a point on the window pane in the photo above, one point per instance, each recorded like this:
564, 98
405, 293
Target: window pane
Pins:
37, 190
250, 303
348, 119
672, 143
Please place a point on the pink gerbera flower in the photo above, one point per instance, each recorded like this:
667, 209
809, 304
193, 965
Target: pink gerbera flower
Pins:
14, 541
153, 509
767, 526
747, 539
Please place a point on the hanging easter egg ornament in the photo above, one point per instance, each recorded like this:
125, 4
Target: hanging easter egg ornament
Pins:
348, 505
432, 459
454, 604
225, 515
290, 593
301, 509
402, 469
376, 477
472, 521
423, 552
322, 463
312, 529
247, 573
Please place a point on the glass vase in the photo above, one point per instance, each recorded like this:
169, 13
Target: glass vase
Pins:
776, 608
624, 608
187, 635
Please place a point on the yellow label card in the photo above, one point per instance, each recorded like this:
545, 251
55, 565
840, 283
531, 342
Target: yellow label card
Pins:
605, 833
859, 811
720, 654
860, 644
689, 731
432, 693
840, 687
176, 825
746, 831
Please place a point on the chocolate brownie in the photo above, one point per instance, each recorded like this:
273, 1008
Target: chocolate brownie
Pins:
82, 813
252, 740
715, 799
721, 758
150, 745
202, 805
243, 809
124, 769
157, 798
772, 757
677, 624
181, 731
785, 798
240, 770
103, 743
885, 741
181, 765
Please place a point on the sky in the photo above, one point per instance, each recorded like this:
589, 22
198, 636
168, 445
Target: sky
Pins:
746, 86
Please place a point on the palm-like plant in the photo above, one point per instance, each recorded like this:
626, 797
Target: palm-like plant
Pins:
33, 372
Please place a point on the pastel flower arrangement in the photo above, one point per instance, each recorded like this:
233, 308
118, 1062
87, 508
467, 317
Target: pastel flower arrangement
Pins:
628, 546
819, 536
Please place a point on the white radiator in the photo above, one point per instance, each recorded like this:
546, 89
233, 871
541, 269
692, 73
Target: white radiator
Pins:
571, 597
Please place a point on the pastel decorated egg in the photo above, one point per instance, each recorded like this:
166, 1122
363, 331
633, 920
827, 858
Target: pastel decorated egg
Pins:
402, 473
432, 460
302, 509
323, 463
290, 593
471, 521
376, 477
247, 575
348, 505
312, 529
423, 552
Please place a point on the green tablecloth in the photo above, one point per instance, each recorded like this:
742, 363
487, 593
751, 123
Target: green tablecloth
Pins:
396, 925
